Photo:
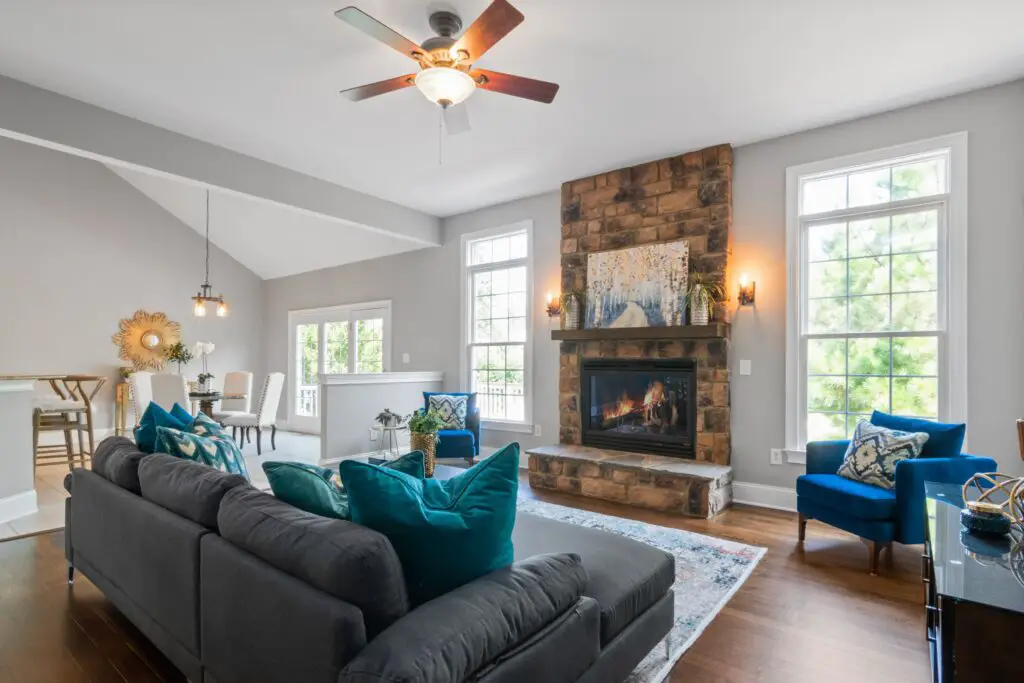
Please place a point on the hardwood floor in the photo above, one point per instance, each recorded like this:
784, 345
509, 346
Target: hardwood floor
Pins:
803, 616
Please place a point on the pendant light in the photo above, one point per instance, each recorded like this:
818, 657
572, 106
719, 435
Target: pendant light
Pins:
205, 294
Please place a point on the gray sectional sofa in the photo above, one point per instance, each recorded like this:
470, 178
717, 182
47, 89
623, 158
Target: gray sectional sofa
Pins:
234, 585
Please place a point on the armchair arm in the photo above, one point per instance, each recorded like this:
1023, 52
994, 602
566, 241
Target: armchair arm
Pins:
473, 425
825, 457
449, 638
910, 478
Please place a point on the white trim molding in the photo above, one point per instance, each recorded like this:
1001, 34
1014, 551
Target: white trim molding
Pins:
764, 496
382, 378
952, 327
18, 505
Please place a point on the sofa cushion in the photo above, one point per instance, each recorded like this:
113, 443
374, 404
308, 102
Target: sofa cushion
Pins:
854, 498
452, 440
186, 488
451, 407
346, 560
874, 452
117, 460
945, 440
318, 490
626, 577
155, 416
446, 533
205, 442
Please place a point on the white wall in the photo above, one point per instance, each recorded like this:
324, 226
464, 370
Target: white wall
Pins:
80, 249
424, 285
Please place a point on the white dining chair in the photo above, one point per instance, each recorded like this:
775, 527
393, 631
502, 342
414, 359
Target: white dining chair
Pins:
168, 390
235, 384
265, 415
141, 387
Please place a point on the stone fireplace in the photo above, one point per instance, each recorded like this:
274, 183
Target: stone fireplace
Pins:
645, 411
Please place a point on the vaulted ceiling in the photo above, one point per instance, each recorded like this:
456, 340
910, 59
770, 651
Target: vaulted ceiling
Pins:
639, 80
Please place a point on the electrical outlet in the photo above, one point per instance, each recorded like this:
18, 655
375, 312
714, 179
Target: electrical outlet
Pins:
405, 358
776, 456
536, 430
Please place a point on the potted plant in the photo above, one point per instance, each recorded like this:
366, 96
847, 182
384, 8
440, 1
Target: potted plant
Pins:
125, 371
180, 354
423, 429
390, 423
203, 350
702, 293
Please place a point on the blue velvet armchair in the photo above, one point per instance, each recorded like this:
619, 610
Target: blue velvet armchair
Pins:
879, 516
458, 443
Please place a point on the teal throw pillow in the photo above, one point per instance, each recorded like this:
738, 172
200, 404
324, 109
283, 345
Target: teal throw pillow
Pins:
874, 452
446, 533
155, 416
945, 439
313, 488
206, 443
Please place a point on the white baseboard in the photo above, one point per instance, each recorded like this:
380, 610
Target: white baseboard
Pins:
18, 505
764, 496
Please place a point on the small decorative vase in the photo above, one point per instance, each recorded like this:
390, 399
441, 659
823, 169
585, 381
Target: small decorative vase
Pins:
203, 387
572, 313
698, 313
428, 444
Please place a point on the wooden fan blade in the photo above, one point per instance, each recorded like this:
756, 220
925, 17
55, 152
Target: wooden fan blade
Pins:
518, 86
363, 92
494, 24
456, 119
385, 34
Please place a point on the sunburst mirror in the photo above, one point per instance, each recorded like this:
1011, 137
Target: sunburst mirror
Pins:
143, 339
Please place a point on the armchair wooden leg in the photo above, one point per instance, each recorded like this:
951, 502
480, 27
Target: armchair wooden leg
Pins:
801, 528
874, 551
259, 445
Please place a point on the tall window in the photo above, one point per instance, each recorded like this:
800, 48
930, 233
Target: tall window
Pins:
873, 280
335, 340
497, 277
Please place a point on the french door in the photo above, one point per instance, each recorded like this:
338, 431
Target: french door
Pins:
331, 341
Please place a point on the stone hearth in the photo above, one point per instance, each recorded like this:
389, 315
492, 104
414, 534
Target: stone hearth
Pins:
650, 481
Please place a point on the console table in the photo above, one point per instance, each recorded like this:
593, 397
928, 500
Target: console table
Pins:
974, 596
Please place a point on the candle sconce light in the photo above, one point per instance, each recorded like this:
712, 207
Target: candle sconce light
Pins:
554, 305
747, 288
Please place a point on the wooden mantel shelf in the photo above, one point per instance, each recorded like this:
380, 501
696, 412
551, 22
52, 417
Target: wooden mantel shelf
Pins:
711, 331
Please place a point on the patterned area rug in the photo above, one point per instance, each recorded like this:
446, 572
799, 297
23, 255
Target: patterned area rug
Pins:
708, 572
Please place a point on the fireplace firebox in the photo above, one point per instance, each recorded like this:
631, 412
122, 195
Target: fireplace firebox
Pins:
639, 405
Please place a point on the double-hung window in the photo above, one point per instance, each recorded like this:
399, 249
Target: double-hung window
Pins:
876, 289
497, 323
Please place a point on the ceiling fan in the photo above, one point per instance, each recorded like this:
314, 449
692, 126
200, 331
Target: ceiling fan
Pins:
447, 77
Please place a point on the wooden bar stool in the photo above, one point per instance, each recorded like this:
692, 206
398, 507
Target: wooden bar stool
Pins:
59, 415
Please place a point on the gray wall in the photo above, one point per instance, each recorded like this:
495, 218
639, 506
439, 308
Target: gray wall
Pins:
424, 285
80, 249
994, 120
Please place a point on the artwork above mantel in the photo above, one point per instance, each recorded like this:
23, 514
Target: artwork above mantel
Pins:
710, 331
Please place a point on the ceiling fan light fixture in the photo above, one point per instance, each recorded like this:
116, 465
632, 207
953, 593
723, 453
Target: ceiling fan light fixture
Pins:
444, 84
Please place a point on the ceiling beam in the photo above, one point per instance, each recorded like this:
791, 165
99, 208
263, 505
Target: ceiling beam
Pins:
46, 118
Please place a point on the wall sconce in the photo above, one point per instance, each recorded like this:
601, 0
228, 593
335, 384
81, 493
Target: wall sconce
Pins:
747, 288
554, 305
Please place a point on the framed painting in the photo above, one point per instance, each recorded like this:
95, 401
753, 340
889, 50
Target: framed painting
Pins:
637, 287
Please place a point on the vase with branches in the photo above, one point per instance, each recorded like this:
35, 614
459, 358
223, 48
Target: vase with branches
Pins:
180, 354
203, 350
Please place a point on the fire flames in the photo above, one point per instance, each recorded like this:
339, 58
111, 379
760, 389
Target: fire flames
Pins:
654, 397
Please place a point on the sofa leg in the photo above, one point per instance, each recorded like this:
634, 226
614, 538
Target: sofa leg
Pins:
801, 528
668, 649
71, 574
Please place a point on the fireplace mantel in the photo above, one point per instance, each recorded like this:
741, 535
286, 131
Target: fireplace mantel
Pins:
712, 331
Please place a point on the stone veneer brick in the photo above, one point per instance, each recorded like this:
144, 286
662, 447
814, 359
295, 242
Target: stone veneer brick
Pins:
683, 197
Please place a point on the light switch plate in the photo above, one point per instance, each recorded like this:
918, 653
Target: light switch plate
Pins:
536, 430
744, 367
405, 358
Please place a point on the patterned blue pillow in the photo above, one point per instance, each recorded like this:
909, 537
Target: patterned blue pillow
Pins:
452, 409
874, 451
205, 443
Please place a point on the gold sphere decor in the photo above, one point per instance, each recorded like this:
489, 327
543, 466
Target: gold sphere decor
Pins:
995, 498
144, 338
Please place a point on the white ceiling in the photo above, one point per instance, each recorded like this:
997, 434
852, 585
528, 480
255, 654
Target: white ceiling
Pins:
640, 79
269, 239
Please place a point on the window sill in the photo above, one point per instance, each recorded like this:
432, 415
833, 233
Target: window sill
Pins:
794, 456
499, 426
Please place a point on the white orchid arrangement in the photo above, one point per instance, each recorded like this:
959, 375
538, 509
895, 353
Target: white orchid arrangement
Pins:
204, 349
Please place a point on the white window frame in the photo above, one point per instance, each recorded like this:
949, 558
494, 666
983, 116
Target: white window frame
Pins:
952, 293
526, 425
344, 312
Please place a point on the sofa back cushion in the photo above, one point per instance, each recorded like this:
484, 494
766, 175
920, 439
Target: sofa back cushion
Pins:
186, 488
117, 460
346, 560
945, 440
